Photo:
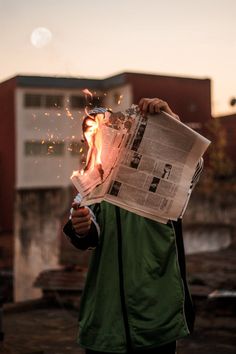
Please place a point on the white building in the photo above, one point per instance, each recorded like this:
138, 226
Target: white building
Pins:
48, 127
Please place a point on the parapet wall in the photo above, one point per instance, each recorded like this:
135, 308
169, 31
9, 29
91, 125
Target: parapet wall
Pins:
209, 224
210, 221
37, 237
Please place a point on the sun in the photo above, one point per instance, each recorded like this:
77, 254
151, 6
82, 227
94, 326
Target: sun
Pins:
40, 37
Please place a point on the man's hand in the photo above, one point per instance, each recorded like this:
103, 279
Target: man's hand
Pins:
155, 105
81, 219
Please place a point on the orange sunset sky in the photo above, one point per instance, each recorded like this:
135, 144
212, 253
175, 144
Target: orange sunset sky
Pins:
101, 38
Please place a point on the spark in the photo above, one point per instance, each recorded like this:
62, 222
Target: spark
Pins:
50, 149
120, 98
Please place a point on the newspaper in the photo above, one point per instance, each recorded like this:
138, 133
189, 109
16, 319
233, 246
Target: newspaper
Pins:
148, 163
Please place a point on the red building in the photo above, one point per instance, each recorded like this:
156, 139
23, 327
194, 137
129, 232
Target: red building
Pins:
228, 122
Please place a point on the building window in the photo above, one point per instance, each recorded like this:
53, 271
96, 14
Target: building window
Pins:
78, 102
44, 101
41, 148
53, 101
97, 101
33, 100
117, 98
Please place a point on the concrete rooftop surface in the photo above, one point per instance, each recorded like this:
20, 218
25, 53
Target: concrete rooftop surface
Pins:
50, 327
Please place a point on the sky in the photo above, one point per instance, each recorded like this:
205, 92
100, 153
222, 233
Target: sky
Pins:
97, 39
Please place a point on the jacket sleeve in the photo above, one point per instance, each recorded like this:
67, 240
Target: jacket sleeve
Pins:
194, 181
89, 241
197, 173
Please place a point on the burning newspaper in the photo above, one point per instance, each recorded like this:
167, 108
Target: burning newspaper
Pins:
144, 164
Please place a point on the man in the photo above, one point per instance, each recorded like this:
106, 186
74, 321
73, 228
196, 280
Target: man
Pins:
136, 297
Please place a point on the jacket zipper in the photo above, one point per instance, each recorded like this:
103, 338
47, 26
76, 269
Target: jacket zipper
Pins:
182, 283
121, 282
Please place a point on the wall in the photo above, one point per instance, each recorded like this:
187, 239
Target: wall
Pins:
189, 98
37, 237
229, 124
126, 98
46, 124
7, 155
209, 222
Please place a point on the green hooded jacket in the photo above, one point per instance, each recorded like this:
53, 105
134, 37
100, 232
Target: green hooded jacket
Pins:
135, 294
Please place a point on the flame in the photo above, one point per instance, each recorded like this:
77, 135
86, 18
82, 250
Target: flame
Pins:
93, 136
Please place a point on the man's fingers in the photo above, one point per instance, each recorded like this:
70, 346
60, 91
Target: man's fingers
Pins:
151, 108
82, 225
81, 228
155, 105
80, 211
81, 219
75, 205
150, 105
143, 104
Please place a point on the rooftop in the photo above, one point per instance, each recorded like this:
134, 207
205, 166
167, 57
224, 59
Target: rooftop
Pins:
90, 83
49, 326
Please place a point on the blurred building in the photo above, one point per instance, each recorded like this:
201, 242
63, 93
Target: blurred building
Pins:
228, 122
40, 145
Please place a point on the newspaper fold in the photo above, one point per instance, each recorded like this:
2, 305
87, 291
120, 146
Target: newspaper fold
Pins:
148, 163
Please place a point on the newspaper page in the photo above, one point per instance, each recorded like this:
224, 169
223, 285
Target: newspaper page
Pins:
115, 135
150, 169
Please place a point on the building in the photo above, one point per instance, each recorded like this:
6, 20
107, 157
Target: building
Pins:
228, 122
41, 116
40, 146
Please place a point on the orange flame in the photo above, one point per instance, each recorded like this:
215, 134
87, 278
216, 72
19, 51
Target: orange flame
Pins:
93, 136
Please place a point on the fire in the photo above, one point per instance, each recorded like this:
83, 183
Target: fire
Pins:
92, 132
93, 136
